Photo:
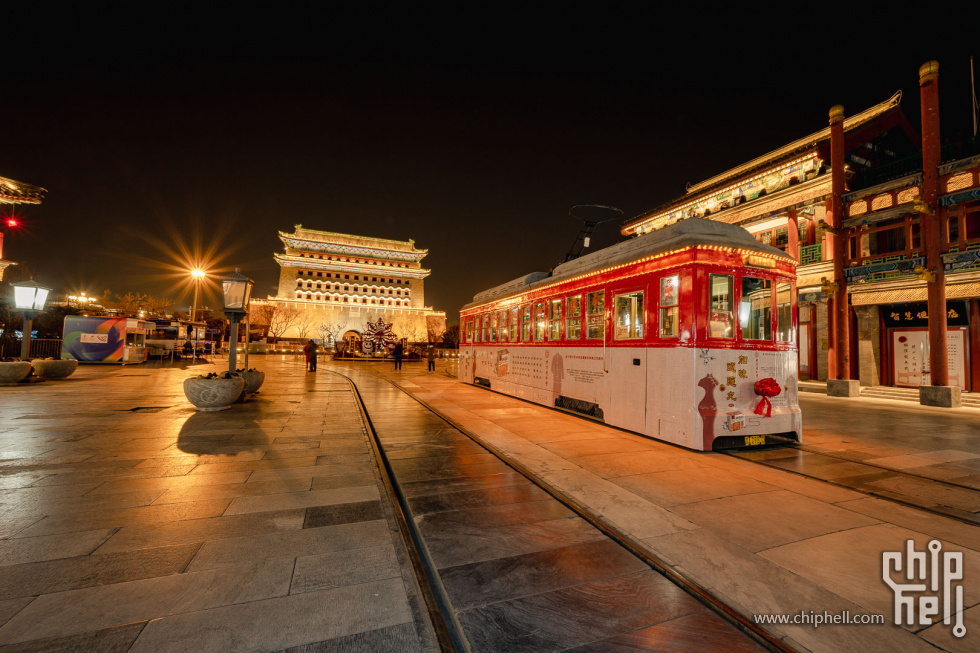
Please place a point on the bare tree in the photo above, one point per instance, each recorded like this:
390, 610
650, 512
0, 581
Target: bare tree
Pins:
306, 325
277, 317
158, 305
450, 338
132, 303
331, 330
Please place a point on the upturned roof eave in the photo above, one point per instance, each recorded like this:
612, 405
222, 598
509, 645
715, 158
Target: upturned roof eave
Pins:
18, 192
354, 267
283, 235
770, 158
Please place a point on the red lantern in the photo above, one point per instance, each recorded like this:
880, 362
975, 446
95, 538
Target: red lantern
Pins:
766, 388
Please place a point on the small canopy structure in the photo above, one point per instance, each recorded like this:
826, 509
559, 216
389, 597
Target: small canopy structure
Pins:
17, 192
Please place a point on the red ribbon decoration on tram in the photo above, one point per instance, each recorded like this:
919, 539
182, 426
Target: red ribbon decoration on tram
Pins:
766, 388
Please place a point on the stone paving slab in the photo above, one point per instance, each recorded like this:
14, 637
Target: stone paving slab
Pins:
260, 528
763, 540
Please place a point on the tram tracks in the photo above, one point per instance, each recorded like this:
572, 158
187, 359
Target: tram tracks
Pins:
941, 497
488, 566
446, 629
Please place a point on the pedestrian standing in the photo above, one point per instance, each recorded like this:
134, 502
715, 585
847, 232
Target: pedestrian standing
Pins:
430, 354
313, 347
399, 351
306, 352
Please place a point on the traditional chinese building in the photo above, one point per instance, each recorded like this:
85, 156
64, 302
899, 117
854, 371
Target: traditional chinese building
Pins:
16, 192
785, 199
341, 282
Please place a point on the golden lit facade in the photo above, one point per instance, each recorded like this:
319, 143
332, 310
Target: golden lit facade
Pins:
342, 279
783, 198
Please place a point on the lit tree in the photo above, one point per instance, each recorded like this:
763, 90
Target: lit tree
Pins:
379, 334
436, 330
305, 325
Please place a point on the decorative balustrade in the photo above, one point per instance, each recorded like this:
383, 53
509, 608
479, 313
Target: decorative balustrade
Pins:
811, 254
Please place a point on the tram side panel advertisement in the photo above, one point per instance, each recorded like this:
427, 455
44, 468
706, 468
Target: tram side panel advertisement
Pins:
540, 374
689, 396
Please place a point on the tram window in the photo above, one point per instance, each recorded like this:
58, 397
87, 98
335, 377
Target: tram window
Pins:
784, 312
514, 324
669, 309
721, 324
540, 320
503, 327
526, 323
755, 309
469, 331
629, 316
493, 327
555, 332
573, 323
484, 326
596, 327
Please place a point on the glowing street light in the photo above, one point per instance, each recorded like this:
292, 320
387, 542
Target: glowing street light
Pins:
198, 276
29, 298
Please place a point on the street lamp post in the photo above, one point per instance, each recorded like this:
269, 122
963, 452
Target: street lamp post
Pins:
29, 298
236, 292
198, 275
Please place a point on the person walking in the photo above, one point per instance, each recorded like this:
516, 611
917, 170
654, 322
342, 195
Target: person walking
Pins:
311, 347
399, 352
430, 354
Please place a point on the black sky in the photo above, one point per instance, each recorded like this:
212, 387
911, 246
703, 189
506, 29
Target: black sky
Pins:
471, 128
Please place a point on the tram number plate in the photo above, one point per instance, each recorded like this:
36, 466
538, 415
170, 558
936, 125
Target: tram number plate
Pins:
752, 440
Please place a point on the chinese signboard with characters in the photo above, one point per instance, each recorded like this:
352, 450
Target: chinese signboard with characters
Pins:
910, 357
916, 314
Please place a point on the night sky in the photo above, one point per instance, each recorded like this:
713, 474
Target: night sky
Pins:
178, 132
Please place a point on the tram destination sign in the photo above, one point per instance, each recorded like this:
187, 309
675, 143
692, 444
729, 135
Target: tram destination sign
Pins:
756, 261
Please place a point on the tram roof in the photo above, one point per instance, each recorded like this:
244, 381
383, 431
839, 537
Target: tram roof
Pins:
680, 235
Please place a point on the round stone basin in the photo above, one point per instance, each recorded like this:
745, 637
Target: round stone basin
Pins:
253, 381
13, 371
54, 369
210, 395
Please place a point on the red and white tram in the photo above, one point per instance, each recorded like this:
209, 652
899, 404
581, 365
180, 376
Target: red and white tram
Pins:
671, 334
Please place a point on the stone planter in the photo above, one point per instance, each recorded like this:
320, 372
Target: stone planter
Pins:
210, 395
13, 372
253, 381
54, 369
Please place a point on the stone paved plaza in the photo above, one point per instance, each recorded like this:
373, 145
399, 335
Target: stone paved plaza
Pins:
129, 519
130, 522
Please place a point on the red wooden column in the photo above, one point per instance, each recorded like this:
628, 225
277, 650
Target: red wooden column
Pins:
931, 223
793, 245
974, 345
839, 337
